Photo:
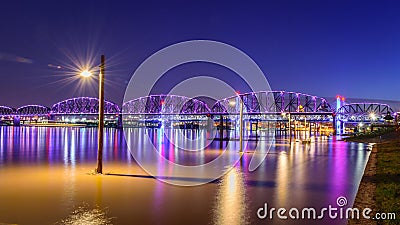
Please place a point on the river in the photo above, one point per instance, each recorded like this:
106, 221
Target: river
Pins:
46, 178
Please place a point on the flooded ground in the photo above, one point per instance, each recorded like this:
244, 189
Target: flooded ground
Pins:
46, 178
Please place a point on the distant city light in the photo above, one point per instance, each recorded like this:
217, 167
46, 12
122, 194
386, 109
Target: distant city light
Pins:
54, 66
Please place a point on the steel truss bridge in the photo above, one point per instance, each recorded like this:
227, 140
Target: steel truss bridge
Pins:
365, 112
275, 105
260, 106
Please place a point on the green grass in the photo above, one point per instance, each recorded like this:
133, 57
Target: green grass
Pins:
388, 180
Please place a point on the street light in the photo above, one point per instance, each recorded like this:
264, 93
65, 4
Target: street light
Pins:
86, 74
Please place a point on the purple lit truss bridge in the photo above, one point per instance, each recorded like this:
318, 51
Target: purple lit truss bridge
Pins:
171, 109
33, 110
6, 111
165, 104
83, 110
6, 115
365, 112
260, 106
83, 105
275, 105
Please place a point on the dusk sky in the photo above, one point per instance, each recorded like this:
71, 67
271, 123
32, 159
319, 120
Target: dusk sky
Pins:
322, 48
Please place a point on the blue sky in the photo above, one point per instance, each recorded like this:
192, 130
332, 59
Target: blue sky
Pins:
322, 48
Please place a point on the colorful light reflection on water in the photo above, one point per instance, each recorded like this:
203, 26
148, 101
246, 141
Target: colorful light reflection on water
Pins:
44, 179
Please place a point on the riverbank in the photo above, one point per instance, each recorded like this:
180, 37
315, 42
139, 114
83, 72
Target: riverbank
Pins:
380, 186
386, 135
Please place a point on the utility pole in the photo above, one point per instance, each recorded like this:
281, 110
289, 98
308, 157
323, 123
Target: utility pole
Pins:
100, 131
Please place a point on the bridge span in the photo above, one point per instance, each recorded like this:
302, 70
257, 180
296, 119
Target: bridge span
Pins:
281, 109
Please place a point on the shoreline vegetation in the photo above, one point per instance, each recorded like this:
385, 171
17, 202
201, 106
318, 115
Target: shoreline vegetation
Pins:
380, 185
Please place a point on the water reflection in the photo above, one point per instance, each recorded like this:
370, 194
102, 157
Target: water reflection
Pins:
68, 146
157, 153
87, 216
293, 175
231, 202
283, 179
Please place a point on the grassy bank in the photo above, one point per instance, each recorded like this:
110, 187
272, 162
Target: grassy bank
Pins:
387, 179
382, 185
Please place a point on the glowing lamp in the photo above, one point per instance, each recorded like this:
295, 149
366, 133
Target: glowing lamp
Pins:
372, 116
86, 73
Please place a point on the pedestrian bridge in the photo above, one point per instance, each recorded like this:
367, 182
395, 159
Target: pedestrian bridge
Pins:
84, 110
259, 106
83, 105
6, 111
165, 105
272, 102
33, 110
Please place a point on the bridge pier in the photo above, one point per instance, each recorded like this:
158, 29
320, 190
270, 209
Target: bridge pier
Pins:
256, 128
290, 128
221, 127
210, 124
334, 124
316, 126
16, 121
119, 121
227, 127
286, 129
295, 127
